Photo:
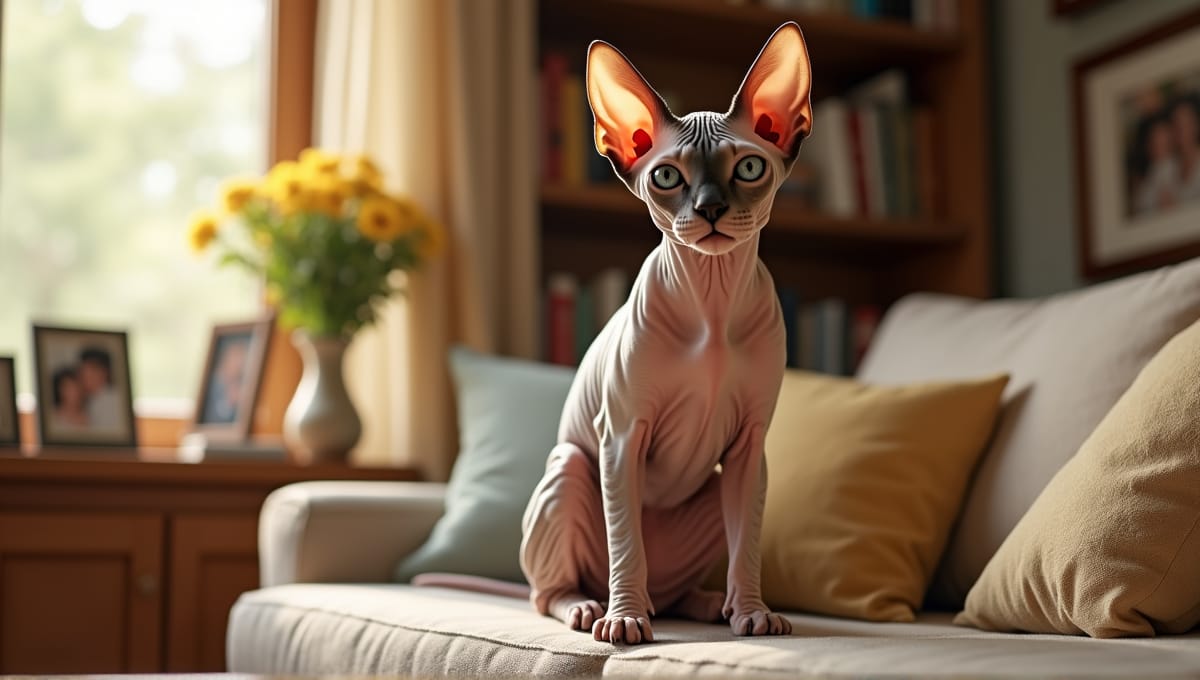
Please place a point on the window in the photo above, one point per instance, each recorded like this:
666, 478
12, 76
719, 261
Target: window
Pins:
118, 118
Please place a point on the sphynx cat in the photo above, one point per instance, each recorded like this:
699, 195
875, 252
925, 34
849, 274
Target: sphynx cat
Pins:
660, 459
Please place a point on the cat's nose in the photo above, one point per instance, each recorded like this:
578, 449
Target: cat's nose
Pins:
710, 204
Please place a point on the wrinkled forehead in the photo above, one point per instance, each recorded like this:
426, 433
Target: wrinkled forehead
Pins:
706, 136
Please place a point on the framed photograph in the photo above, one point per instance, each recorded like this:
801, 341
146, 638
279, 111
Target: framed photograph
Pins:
1137, 146
10, 426
231, 378
84, 393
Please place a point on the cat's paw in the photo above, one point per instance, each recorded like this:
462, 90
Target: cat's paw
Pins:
759, 621
623, 627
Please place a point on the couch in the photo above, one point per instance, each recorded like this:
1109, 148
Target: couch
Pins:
329, 549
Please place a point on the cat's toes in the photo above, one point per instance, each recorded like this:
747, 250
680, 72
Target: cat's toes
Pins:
759, 622
619, 629
582, 615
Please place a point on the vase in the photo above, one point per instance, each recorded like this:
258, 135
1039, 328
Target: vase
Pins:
321, 424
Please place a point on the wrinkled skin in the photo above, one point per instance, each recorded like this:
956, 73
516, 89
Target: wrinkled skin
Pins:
660, 464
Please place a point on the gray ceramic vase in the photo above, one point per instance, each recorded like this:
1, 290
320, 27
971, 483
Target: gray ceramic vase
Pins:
321, 424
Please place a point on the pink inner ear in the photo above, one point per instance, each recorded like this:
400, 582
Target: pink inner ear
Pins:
764, 128
641, 143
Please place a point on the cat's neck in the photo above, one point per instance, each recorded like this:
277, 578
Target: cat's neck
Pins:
707, 295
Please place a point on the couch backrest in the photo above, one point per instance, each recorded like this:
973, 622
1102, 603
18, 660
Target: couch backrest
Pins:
1069, 356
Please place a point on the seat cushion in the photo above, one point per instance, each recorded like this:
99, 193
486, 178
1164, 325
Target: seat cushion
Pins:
311, 629
1070, 357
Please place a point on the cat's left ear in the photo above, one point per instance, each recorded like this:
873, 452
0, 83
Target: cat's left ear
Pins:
774, 98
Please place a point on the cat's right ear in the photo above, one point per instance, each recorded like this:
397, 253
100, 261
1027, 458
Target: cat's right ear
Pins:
629, 113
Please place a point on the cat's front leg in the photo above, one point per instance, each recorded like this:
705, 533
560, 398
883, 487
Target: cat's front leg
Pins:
622, 479
743, 493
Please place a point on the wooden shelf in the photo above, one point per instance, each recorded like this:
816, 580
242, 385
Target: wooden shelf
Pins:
837, 42
570, 209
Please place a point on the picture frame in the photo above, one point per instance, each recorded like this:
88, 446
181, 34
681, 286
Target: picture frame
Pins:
10, 422
232, 376
1137, 150
84, 387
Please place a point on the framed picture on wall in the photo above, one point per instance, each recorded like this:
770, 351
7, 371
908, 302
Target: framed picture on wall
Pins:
84, 393
10, 427
1137, 145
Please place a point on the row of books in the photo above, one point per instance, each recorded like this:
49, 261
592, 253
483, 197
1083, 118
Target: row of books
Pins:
872, 153
926, 14
568, 153
829, 335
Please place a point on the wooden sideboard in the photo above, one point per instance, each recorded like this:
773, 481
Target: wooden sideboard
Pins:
116, 563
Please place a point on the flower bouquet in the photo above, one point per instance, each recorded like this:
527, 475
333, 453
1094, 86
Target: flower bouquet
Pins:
327, 240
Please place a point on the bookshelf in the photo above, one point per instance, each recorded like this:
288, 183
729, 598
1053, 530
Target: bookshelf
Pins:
696, 52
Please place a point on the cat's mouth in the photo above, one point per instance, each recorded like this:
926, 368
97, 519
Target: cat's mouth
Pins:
715, 243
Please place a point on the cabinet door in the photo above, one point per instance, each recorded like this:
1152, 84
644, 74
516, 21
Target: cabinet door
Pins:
80, 593
214, 559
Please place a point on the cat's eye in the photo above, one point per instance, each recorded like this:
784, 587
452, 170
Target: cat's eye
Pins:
750, 168
666, 177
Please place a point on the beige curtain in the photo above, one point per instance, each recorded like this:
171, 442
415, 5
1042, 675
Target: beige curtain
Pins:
442, 93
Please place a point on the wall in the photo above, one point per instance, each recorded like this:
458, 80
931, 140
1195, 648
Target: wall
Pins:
1035, 183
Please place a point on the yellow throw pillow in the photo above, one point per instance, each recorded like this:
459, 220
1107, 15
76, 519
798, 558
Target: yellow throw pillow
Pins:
1111, 547
864, 484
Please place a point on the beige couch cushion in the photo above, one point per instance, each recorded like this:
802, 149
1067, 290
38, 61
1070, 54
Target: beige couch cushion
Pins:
1110, 548
1070, 357
397, 629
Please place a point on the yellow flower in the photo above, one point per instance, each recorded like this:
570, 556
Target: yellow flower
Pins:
383, 219
320, 162
286, 186
202, 230
326, 194
365, 176
433, 239
237, 193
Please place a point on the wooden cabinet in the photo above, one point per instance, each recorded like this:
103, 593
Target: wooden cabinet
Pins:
121, 566
80, 593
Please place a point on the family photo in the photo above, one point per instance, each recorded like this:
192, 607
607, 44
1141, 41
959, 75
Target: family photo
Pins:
83, 387
1162, 125
231, 377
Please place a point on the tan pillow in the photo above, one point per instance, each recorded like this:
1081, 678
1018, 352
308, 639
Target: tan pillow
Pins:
1111, 548
1070, 357
863, 485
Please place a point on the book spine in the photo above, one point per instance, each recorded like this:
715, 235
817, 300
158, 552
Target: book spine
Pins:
574, 167
809, 350
788, 303
585, 322
610, 290
889, 161
873, 162
858, 157
560, 319
554, 70
866, 322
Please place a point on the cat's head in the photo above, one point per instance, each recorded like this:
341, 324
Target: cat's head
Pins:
708, 178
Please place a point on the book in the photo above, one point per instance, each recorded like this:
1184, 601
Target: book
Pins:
560, 318
925, 170
863, 327
829, 150
789, 303
585, 322
554, 70
858, 159
872, 167
832, 329
574, 140
610, 289
808, 336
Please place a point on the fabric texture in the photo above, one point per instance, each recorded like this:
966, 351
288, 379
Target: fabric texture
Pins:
443, 96
1070, 357
1111, 548
864, 483
343, 532
361, 630
509, 410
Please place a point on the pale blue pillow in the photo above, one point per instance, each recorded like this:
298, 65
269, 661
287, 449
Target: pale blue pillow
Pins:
508, 412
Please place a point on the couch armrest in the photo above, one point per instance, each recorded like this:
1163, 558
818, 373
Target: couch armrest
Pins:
343, 532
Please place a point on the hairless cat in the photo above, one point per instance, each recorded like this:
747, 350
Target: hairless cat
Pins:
660, 460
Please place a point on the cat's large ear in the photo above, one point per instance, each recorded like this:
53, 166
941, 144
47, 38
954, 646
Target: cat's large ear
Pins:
774, 97
629, 114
